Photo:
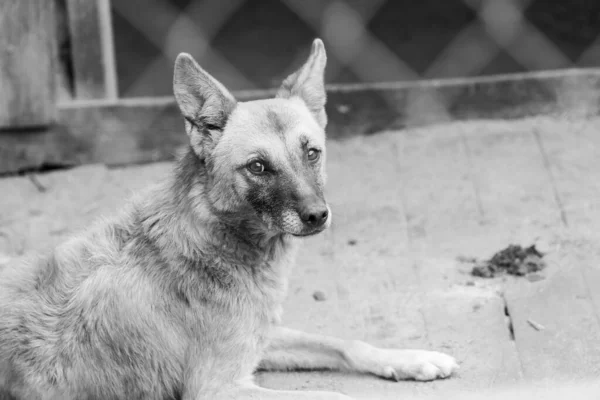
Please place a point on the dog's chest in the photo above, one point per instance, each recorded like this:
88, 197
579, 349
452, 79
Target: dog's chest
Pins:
267, 287
276, 279
255, 298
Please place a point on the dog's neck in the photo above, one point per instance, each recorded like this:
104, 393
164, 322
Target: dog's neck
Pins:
179, 219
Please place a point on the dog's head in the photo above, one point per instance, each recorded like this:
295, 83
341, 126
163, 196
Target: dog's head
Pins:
263, 159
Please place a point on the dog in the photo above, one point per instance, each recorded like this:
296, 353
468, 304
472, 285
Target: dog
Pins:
179, 295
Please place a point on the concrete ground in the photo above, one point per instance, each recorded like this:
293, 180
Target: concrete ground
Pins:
406, 205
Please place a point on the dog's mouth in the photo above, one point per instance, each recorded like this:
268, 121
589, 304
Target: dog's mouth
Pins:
310, 233
309, 230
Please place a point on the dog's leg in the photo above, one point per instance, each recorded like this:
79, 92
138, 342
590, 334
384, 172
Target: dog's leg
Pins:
253, 392
290, 349
222, 379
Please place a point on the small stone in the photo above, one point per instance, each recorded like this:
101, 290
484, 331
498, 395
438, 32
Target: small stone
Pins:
470, 283
351, 242
535, 325
319, 296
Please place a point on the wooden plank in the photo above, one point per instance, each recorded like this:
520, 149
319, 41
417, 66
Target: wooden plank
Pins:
27, 58
555, 327
144, 130
572, 149
573, 161
442, 204
556, 390
92, 49
445, 219
63, 69
514, 186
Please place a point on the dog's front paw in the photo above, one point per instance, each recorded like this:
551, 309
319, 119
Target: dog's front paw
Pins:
398, 365
419, 365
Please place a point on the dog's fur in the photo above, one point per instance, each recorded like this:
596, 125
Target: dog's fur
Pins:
179, 296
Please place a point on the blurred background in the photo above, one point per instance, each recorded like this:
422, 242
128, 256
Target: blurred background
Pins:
96, 75
253, 44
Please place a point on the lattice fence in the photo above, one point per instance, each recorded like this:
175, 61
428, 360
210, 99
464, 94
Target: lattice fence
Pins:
499, 26
495, 27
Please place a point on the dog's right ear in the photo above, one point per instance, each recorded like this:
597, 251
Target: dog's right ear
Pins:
308, 83
204, 102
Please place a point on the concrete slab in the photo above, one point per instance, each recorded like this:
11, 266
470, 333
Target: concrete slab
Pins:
405, 205
555, 324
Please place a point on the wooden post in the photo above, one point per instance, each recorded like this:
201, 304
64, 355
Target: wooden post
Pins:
27, 59
92, 49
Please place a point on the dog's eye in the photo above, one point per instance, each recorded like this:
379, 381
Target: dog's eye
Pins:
313, 154
256, 167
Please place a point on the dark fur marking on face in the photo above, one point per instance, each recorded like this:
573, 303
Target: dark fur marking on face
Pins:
287, 189
275, 122
271, 197
303, 169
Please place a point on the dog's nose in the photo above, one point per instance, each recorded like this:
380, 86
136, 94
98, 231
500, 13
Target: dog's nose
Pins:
314, 215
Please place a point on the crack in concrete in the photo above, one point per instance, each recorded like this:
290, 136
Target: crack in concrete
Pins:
509, 321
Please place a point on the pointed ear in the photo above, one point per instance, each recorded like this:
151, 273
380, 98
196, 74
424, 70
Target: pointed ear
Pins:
308, 83
203, 101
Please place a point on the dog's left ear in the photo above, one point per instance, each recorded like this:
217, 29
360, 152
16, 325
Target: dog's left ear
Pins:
308, 83
204, 102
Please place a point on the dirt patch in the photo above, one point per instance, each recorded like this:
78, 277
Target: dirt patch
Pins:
513, 260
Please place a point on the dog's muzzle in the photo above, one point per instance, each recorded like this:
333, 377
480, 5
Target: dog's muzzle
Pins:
314, 213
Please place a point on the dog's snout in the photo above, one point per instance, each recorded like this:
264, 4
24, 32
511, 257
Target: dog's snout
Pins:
314, 214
